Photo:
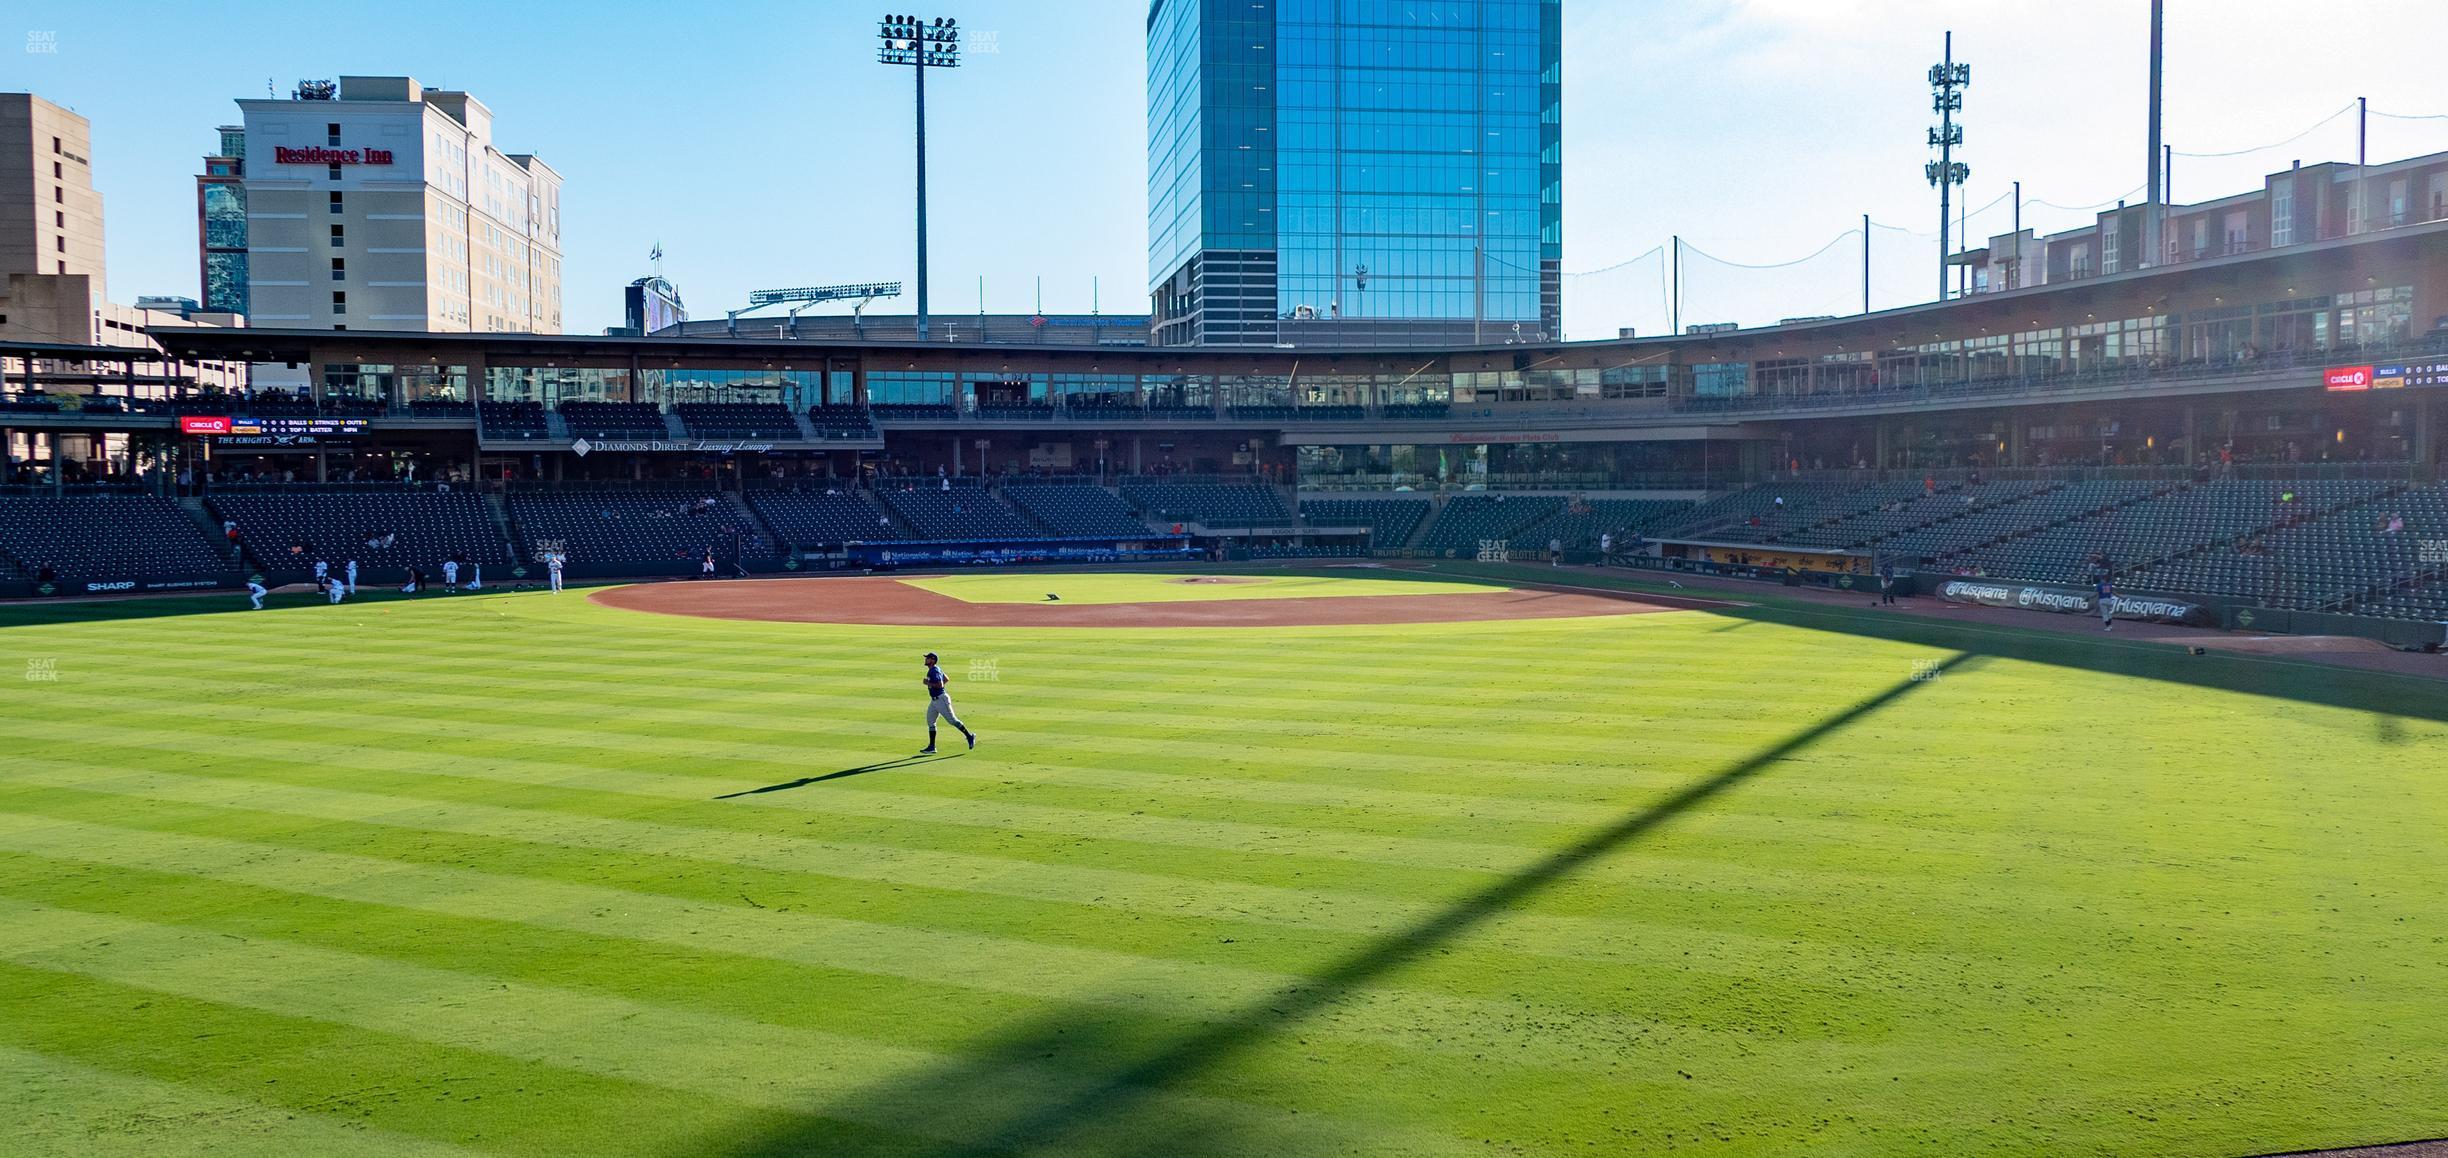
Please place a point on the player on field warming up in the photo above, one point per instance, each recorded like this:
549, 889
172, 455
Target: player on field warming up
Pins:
939, 704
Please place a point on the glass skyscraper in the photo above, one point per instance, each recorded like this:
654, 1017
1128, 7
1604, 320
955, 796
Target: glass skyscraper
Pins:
221, 224
1354, 172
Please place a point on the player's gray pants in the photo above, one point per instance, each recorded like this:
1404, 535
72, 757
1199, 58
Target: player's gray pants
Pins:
941, 708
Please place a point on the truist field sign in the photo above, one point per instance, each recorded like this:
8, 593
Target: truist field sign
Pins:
322, 156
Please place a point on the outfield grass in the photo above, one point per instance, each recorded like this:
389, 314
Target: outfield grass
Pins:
1141, 587
494, 874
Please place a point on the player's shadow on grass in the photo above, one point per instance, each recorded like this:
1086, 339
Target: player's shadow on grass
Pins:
861, 770
1094, 1080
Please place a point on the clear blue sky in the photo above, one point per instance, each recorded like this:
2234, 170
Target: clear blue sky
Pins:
763, 147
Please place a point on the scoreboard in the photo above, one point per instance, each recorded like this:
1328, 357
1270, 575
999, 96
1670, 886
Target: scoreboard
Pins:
2392, 376
312, 430
2415, 374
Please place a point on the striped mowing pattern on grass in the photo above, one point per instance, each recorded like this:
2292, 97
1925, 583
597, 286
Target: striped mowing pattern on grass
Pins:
494, 875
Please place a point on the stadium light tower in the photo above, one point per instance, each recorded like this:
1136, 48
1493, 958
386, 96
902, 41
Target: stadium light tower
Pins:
1947, 81
921, 44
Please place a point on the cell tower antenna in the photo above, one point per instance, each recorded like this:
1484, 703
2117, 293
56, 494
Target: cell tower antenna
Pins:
1947, 81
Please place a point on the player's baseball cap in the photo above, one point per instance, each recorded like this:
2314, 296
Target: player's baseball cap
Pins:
930, 655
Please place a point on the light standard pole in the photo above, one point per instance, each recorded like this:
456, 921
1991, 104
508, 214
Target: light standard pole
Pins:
921, 44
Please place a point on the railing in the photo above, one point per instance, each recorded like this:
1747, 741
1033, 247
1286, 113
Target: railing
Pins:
45, 490
309, 486
2169, 472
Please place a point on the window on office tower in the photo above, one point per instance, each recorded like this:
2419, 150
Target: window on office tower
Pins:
335, 201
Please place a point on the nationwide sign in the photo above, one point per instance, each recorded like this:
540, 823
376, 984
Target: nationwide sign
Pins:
2069, 601
322, 156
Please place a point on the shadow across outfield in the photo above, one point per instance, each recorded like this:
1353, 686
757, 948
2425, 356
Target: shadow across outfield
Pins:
846, 773
1082, 1082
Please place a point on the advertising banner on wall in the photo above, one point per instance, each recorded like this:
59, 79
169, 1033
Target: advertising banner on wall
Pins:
2071, 601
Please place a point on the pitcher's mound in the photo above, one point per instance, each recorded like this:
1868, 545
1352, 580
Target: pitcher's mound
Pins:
867, 600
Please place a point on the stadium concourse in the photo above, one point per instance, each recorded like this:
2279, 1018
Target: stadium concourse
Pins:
2253, 436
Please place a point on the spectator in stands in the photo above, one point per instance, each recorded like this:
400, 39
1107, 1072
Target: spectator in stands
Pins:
2396, 524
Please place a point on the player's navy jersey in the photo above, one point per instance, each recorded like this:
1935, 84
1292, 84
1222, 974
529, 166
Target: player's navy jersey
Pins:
935, 681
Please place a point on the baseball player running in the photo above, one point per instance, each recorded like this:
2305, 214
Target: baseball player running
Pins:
939, 705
